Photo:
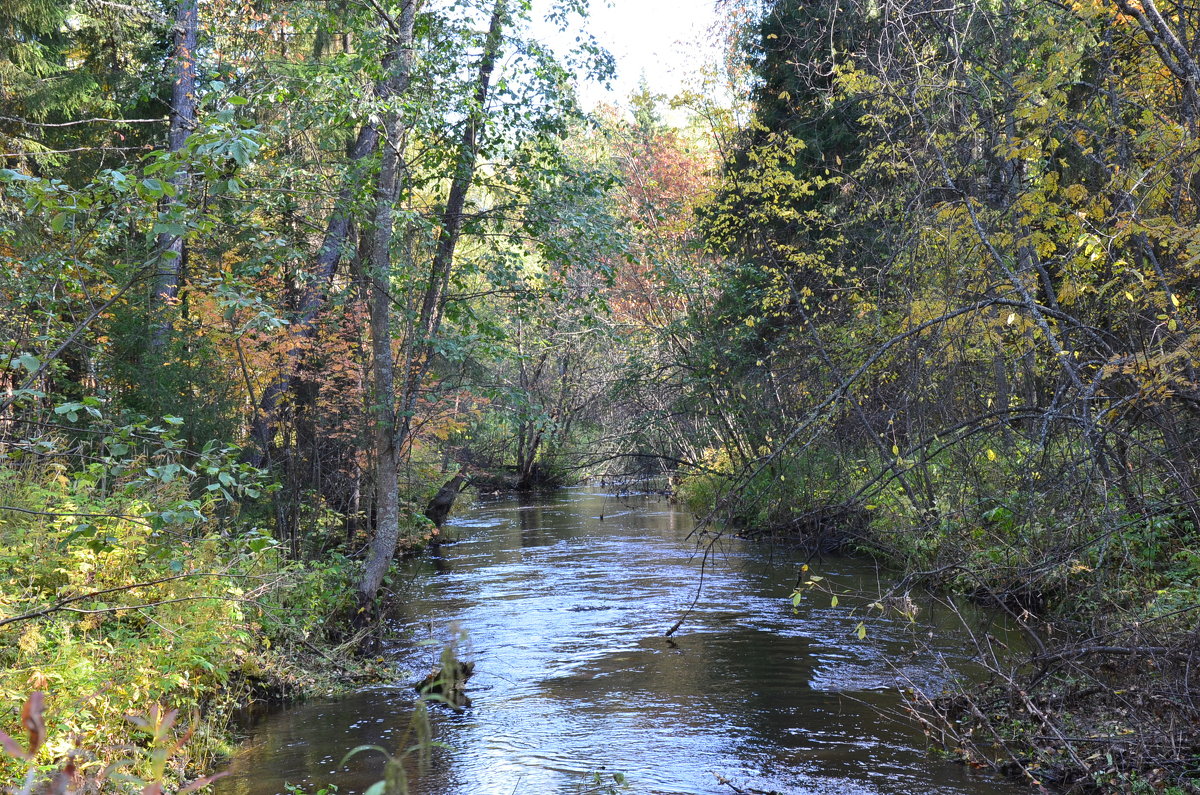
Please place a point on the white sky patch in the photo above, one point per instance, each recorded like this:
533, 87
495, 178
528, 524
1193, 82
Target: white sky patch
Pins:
666, 40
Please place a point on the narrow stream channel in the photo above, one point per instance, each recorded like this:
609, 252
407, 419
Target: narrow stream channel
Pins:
564, 601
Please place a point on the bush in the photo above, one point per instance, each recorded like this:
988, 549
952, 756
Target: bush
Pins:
132, 583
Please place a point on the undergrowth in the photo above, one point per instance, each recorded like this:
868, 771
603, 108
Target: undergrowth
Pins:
131, 586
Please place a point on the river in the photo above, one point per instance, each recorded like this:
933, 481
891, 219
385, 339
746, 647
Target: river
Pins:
564, 601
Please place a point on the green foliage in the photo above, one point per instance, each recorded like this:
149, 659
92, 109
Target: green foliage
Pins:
133, 581
61, 61
765, 495
144, 606
607, 784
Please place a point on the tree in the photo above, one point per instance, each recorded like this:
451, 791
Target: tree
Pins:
170, 246
376, 261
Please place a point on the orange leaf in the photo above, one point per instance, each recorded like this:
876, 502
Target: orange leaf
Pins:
31, 719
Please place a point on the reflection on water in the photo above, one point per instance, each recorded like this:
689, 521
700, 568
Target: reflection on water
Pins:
565, 600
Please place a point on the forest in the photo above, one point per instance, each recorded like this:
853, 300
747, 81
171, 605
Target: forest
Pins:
910, 280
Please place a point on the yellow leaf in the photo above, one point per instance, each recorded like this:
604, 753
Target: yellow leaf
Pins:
1175, 299
833, 602
991, 454
861, 630
895, 449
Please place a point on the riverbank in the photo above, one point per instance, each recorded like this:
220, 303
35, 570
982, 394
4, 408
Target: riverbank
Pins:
1104, 594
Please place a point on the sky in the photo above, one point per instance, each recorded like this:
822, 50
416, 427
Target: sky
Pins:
666, 40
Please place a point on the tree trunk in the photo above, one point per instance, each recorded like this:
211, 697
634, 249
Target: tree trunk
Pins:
377, 266
439, 507
420, 342
183, 120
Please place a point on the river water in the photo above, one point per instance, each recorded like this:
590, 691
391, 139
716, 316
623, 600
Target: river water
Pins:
564, 601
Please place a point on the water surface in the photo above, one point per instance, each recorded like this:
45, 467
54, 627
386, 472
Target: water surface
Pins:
564, 601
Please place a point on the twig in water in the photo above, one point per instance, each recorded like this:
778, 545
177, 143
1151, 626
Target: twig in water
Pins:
699, 589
